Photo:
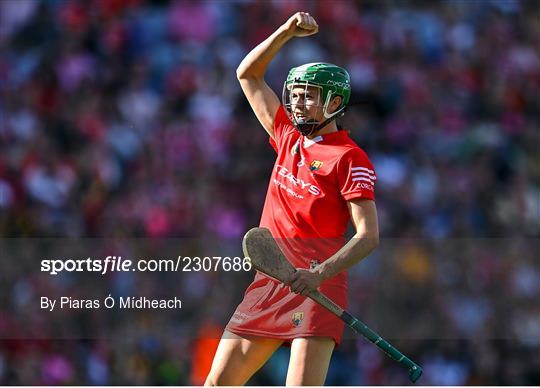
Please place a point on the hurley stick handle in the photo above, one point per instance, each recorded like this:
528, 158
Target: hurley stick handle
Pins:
415, 371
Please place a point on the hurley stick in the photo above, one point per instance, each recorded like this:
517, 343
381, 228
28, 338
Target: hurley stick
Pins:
267, 257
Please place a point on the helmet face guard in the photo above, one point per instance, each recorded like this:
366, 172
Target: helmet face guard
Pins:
302, 122
330, 80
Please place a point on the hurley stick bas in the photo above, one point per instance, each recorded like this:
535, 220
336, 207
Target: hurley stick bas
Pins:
267, 257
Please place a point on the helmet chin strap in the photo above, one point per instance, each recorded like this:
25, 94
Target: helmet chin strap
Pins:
308, 129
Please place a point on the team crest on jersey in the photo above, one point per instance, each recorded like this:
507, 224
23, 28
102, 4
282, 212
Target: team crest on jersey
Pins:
315, 165
297, 318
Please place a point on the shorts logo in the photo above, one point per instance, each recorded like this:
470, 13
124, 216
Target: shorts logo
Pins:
315, 165
297, 318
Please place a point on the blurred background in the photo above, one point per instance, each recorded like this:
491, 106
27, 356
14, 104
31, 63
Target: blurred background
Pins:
123, 119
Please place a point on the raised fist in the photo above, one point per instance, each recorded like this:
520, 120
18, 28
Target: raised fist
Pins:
301, 24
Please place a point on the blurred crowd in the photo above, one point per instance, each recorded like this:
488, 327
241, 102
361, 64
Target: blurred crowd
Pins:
123, 119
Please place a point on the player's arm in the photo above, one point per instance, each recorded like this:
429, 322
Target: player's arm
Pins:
364, 218
252, 69
365, 240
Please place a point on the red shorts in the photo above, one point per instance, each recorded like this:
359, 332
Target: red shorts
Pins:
271, 310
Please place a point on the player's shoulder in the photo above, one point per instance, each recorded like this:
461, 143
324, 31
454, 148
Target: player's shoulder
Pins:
282, 117
282, 122
351, 150
353, 159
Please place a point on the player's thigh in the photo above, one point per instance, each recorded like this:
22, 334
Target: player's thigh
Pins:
310, 358
238, 358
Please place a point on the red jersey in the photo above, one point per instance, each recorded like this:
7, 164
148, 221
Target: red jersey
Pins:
306, 211
312, 180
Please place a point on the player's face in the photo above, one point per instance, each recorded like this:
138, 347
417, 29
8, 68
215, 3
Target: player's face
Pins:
306, 103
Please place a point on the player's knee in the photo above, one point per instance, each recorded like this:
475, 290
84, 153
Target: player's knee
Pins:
220, 379
209, 382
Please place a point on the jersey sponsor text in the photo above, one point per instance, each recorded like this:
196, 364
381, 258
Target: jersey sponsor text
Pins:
285, 173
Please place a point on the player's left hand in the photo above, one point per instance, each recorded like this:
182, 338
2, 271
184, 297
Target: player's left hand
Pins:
305, 280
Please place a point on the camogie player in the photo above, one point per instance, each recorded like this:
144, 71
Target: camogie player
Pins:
321, 180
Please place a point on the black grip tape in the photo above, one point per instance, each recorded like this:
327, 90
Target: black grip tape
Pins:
347, 318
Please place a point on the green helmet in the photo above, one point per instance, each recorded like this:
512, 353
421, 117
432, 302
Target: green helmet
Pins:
331, 79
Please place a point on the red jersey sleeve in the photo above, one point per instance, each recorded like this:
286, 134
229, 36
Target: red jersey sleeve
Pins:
356, 176
282, 128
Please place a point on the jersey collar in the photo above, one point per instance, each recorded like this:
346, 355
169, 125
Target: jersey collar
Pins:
309, 142
334, 135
